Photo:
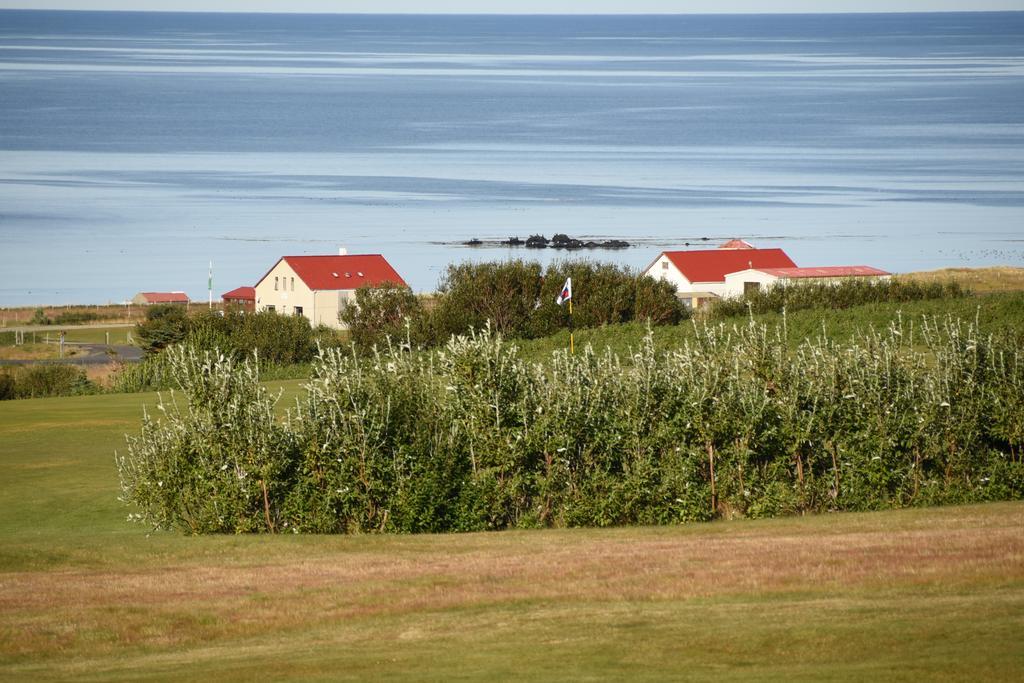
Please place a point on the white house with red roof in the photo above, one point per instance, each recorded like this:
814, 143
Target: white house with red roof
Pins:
737, 267
699, 275
320, 287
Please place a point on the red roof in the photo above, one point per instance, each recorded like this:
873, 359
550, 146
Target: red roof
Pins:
712, 265
166, 297
342, 272
240, 294
825, 271
737, 244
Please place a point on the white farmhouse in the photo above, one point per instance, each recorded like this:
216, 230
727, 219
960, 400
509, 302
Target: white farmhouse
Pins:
737, 267
699, 275
320, 287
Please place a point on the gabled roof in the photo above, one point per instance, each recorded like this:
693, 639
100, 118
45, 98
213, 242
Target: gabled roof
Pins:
737, 244
824, 271
166, 297
341, 272
712, 265
240, 294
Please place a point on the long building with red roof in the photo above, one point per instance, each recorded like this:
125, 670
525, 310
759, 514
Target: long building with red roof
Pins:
737, 267
320, 287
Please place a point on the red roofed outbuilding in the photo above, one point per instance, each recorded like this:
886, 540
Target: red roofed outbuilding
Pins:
743, 281
150, 298
737, 267
320, 287
240, 297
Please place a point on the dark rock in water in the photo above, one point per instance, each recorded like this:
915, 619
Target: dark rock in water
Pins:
558, 241
705, 239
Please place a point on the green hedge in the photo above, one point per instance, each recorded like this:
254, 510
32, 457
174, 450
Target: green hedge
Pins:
844, 294
471, 437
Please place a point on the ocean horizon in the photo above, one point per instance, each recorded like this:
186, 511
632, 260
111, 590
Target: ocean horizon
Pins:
137, 147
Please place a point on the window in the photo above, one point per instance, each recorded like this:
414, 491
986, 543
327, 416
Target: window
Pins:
749, 287
664, 265
270, 307
293, 284
275, 283
298, 310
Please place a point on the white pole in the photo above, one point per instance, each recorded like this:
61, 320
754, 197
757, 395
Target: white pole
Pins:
209, 284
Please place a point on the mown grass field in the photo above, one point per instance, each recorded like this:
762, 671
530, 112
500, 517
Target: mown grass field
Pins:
935, 594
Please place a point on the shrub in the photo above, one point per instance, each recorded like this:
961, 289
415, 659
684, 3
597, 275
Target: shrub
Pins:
7, 387
165, 324
75, 317
213, 461
471, 294
39, 381
383, 312
273, 338
518, 299
845, 294
470, 436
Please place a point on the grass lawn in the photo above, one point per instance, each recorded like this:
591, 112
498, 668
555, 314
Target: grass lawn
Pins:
933, 594
118, 335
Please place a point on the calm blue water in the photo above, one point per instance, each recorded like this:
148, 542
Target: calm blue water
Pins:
134, 147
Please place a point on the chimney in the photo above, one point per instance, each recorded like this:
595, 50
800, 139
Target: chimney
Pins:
342, 251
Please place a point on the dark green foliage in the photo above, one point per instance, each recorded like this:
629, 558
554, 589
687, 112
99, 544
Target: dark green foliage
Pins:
7, 387
75, 317
845, 294
43, 380
165, 324
385, 312
471, 437
276, 339
39, 318
519, 299
471, 294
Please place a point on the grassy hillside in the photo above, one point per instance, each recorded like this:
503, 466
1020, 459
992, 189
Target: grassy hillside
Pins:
979, 280
925, 593
997, 313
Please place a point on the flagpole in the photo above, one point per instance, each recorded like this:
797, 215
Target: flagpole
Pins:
572, 346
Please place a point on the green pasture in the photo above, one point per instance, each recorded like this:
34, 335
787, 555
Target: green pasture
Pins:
922, 594
117, 335
998, 313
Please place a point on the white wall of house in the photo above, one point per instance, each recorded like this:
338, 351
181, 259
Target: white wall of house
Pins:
664, 269
736, 283
284, 292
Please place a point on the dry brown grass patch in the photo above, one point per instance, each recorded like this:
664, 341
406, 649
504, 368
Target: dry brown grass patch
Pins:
48, 612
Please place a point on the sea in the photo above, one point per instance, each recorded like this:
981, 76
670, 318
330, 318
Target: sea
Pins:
137, 148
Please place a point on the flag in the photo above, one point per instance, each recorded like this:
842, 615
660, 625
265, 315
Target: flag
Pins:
566, 293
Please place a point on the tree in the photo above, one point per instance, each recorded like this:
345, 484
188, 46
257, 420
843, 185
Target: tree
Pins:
382, 311
165, 324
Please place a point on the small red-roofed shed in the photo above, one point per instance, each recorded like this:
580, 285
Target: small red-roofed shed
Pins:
243, 298
150, 298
